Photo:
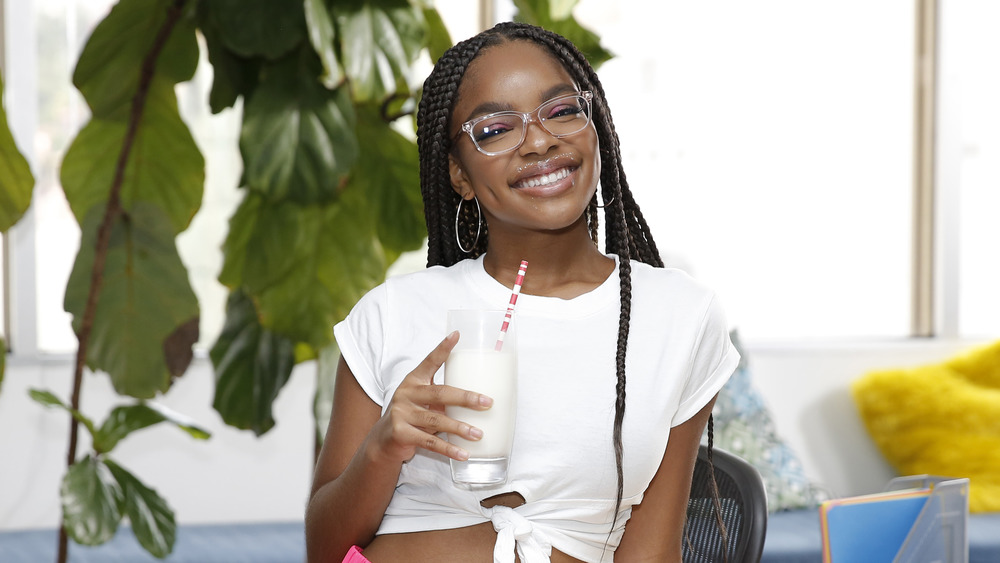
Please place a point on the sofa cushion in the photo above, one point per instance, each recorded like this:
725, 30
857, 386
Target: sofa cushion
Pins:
744, 426
940, 419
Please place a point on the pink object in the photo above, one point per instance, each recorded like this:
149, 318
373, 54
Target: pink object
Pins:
354, 556
510, 307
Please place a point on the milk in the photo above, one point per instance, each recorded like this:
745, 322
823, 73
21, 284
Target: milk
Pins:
493, 374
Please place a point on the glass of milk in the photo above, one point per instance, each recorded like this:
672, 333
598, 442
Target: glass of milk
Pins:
475, 364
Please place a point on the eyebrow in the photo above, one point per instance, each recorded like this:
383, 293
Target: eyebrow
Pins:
493, 107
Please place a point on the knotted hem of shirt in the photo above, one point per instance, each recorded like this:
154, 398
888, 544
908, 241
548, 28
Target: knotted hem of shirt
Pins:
517, 532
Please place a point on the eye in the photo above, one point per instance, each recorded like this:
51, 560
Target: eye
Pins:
493, 127
564, 110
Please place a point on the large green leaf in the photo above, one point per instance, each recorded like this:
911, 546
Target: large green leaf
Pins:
91, 502
48, 399
343, 263
296, 305
266, 28
151, 517
236, 247
16, 180
164, 166
328, 256
379, 41
252, 364
232, 75
438, 38
145, 301
323, 37
390, 179
265, 241
298, 137
126, 419
547, 13
109, 68
350, 259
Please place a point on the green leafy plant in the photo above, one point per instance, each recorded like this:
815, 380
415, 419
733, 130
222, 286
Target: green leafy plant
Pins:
557, 16
16, 180
133, 178
320, 222
332, 186
330, 182
330, 200
97, 493
16, 184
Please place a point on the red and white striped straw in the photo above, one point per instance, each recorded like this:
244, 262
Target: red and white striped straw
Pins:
513, 301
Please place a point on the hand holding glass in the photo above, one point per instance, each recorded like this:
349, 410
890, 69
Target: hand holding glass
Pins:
475, 365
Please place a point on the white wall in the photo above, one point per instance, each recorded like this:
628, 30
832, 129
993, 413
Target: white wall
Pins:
232, 477
807, 389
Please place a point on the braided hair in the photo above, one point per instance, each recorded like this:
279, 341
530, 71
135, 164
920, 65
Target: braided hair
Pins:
626, 231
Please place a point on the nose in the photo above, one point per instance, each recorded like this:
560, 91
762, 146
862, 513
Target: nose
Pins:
536, 138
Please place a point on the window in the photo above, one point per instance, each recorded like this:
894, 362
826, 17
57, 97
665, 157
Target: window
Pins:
970, 155
769, 144
54, 32
46, 112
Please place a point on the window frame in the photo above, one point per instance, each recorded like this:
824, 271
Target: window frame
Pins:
936, 146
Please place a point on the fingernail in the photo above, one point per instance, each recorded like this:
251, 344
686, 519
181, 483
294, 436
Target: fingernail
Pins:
485, 401
461, 455
475, 433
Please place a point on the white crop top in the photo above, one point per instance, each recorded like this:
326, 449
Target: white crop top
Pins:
562, 463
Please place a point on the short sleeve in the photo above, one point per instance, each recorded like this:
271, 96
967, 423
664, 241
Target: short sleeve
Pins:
361, 339
713, 360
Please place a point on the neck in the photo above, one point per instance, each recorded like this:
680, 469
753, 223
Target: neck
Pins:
563, 264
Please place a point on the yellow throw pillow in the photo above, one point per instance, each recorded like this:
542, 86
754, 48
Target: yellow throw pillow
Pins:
941, 419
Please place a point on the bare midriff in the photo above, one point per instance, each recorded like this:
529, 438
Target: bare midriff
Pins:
459, 545
470, 544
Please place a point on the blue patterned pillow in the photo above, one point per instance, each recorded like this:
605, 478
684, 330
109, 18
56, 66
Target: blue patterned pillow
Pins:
743, 426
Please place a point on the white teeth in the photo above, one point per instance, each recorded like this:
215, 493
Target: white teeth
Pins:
547, 178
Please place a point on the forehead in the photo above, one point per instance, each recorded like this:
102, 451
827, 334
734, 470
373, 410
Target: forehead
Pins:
515, 73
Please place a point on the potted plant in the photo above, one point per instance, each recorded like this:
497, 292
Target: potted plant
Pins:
330, 199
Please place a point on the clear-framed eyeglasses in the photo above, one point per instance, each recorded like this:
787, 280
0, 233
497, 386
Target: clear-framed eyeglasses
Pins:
504, 131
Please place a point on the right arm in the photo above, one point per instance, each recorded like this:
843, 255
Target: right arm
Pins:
363, 452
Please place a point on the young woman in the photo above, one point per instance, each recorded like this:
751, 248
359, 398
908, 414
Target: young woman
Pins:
619, 359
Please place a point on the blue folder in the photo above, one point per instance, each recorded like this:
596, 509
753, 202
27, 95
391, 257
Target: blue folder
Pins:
869, 528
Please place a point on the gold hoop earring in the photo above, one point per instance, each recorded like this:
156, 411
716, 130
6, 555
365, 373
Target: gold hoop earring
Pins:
479, 225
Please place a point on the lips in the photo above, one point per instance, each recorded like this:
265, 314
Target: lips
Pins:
545, 173
544, 179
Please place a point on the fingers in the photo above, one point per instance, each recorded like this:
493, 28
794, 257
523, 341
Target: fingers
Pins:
438, 396
420, 388
421, 429
416, 414
425, 371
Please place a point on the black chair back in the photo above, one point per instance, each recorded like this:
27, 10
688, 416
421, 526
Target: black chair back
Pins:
743, 502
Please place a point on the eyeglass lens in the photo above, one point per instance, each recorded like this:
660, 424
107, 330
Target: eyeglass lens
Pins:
505, 131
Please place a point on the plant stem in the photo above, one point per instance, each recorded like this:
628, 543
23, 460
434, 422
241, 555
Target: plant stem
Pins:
112, 211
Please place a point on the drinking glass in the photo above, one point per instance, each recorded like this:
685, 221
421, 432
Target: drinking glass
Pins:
476, 364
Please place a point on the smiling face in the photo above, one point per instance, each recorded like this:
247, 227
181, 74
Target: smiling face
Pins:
546, 183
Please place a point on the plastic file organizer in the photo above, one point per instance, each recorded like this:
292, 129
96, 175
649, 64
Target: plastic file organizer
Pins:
918, 519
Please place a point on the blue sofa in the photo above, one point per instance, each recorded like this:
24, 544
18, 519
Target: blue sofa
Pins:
792, 537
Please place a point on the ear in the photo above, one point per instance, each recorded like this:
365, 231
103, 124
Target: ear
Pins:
460, 181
